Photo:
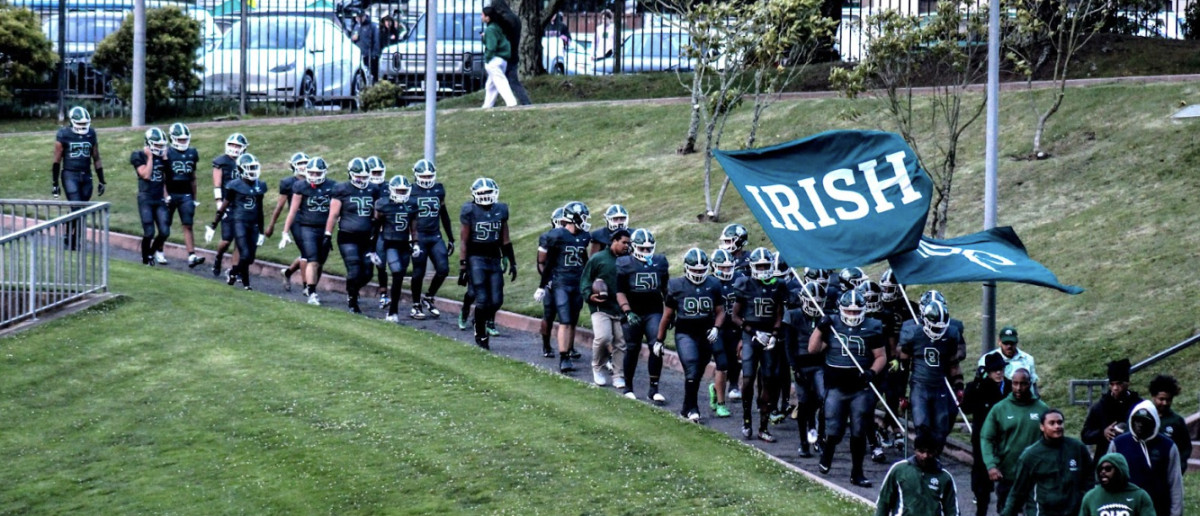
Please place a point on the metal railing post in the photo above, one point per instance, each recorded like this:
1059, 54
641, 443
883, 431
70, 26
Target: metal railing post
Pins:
33, 276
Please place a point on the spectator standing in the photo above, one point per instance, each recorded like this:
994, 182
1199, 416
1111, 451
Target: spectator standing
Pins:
366, 36
1010, 427
1153, 460
988, 389
1115, 494
1014, 357
1163, 390
1052, 474
510, 24
557, 28
495, 55
608, 339
389, 32
602, 45
918, 486
1106, 419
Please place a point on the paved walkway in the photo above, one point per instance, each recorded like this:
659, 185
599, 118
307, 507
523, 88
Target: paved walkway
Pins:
526, 347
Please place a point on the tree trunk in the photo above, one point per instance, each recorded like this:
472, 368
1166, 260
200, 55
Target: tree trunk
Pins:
533, 21
689, 144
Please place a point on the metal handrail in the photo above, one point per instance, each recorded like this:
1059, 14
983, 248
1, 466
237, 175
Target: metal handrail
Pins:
1094, 385
51, 253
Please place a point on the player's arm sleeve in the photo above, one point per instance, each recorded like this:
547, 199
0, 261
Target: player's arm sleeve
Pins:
950, 497
987, 440
546, 266
585, 279
1021, 486
622, 280
444, 214
669, 300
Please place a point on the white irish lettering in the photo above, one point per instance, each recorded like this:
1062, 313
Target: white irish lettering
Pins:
754, 191
809, 185
848, 196
790, 210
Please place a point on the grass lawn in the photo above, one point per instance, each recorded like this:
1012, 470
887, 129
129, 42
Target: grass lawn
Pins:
1112, 211
164, 403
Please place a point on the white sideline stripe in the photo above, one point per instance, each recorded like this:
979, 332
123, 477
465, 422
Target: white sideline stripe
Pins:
815, 478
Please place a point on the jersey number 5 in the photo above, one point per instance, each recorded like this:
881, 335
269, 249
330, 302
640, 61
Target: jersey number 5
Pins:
487, 231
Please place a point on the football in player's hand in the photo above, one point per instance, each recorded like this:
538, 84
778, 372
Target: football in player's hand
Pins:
600, 289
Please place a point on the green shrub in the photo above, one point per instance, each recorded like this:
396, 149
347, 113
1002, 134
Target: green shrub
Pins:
1191, 24
26, 56
382, 95
172, 44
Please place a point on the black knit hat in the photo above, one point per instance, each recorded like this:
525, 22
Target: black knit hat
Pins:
1118, 370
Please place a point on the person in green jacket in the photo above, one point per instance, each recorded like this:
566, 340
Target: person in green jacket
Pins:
608, 339
496, 52
1011, 426
918, 486
1115, 496
1052, 474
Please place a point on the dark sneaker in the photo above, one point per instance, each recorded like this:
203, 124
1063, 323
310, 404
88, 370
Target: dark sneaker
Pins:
861, 482
747, 431
548, 353
877, 455
574, 354
766, 436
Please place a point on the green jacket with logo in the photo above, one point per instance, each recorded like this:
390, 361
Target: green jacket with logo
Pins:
1010, 427
1119, 497
909, 490
1052, 477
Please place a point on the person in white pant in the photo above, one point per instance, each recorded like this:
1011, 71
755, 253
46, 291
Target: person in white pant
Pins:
496, 52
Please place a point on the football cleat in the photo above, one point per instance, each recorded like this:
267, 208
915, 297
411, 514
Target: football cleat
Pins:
230, 277
693, 416
384, 301
695, 265
181, 136
877, 455
734, 237
735, 394
485, 191
565, 365
427, 304
712, 396
574, 354
777, 417
766, 436
656, 396
722, 411
861, 482
160, 259
352, 305
462, 320
417, 313
194, 260
313, 299
549, 353
747, 431
392, 318
630, 395
81, 120
287, 278
491, 328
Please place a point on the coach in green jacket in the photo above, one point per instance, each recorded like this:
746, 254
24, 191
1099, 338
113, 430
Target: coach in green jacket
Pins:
1115, 495
1052, 474
1011, 426
918, 486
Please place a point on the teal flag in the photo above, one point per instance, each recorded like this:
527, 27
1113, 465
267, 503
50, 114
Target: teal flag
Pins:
993, 255
835, 199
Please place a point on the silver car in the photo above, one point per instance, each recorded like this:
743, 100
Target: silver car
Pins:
459, 55
293, 58
645, 51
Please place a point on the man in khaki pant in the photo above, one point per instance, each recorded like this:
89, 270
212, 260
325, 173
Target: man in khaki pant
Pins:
609, 341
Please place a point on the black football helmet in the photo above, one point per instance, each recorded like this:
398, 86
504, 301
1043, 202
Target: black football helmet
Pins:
890, 287
734, 237
181, 136
852, 307
810, 299
557, 218
851, 277
360, 177
762, 264
871, 293
723, 265
930, 296
81, 120
695, 265
156, 141
249, 167
642, 244
935, 319
576, 213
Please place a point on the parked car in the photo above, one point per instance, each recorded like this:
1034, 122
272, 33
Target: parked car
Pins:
644, 51
85, 30
298, 59
568, 59
459, 49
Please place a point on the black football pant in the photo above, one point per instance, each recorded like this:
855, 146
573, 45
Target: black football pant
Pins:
487, 278
153, 211
433, 248
396, 254
245, 236
354, 248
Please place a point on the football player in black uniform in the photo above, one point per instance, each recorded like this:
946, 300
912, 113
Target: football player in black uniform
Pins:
695, 304
298, 164
561, 257
549, 311
799, 321
244, 204
641, 285
615, 217
934, 295
734, 239
729, 337
896, 380
853, 341
150, 163
397, 215
821, 277
308, 214
487, 252
871, 294
351, 209
181, 186
932, 346
379, 188
432, 218
224, 172
758, 311
75, 152
780, 375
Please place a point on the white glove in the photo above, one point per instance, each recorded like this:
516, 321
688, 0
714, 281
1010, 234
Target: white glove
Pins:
167, 199
765, 338
196, 203
712, 335
658, 348
374, 259
539, 295
287, 239
262, 239
209, 231
416, 250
